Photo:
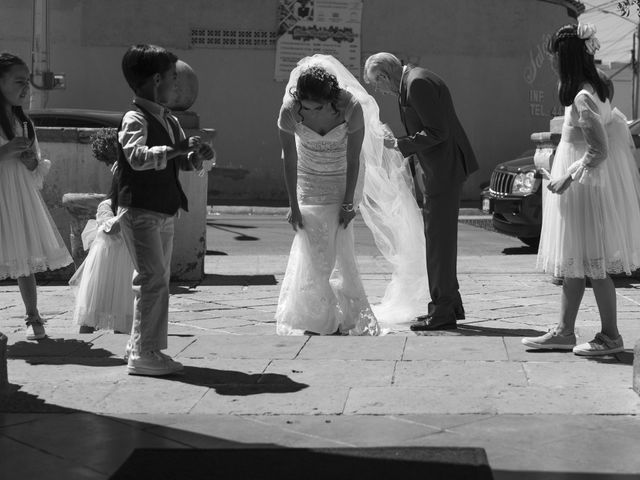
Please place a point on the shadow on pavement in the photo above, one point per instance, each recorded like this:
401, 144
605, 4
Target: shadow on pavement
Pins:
232, 229
231, 280
61, 351
231, 382
624, 358
471, 329
82, 444
523, 250
407, 463
214, 280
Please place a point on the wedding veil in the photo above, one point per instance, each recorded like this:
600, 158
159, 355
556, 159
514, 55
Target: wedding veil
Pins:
385, 194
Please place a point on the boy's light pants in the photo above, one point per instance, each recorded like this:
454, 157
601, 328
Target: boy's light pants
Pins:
149, 239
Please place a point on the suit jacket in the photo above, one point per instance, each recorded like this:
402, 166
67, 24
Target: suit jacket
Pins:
434, 133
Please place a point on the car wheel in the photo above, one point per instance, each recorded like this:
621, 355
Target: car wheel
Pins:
531, 241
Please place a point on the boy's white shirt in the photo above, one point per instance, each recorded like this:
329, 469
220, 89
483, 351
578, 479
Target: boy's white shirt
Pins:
133, 136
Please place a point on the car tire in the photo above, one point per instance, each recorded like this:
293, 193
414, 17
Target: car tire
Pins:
531, 241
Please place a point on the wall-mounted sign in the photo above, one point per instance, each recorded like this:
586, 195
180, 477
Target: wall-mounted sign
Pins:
306, 27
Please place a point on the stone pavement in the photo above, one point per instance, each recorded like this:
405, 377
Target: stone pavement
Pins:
73, 413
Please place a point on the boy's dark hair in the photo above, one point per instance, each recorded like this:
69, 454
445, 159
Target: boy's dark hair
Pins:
143, 61
576, 65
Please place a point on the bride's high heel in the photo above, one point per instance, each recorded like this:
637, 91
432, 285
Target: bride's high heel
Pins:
37, 324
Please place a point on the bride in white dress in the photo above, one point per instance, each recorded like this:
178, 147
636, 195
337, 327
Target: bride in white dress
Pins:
335, 163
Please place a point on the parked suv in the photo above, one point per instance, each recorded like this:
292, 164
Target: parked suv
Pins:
75, 117
514, 198
514, 194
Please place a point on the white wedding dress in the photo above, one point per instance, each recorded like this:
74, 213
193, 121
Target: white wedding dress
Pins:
322, 291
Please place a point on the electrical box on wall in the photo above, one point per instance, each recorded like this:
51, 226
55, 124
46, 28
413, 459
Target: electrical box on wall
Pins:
50, 81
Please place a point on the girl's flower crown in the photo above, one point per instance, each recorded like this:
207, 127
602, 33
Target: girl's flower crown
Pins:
587, 32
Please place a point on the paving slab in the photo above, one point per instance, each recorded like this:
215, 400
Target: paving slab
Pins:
352, 373
274, 399
234, 346
416, 400
353, 348
535, 413
483, 375
20, 461
437, 347
96, 434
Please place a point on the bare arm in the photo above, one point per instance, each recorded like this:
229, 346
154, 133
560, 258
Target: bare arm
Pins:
354, 147
290, 163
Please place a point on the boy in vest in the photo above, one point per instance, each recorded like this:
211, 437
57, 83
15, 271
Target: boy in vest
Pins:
152, 150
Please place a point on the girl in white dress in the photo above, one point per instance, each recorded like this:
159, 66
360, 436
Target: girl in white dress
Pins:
29, 240
335, 163
104, 299
591, 221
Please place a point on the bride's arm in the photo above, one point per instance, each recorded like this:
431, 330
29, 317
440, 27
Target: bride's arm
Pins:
354, 146
290, 161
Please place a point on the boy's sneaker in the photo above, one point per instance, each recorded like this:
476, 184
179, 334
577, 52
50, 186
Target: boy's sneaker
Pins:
152, 363
551, 341
600, 345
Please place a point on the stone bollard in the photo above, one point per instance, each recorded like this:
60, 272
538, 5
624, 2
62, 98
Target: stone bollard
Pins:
636, 367
81, 207
4, 377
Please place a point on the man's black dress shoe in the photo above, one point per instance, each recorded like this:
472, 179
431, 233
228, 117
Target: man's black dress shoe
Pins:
428, 323
458, 312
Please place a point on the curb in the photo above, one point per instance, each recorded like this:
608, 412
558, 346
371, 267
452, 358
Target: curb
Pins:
636, 368
465, 213
4, 378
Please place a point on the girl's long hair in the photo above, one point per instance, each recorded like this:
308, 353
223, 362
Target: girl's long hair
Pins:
576, 65
7, 62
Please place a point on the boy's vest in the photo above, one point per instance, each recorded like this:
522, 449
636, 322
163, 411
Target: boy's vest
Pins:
155, 190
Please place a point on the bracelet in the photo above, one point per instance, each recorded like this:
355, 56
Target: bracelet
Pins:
347, 207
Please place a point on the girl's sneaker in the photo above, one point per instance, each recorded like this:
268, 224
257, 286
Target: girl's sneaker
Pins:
551, 341
600, 345
37, 325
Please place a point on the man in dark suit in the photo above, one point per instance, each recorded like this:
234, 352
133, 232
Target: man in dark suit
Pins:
436, 137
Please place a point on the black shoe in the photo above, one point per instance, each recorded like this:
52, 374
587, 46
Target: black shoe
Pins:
428, 323
459, 312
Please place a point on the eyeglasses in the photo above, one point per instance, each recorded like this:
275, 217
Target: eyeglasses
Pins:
377, 80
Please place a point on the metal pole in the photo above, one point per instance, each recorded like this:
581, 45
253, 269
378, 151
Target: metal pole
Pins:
634, 74
40, 52
636, 78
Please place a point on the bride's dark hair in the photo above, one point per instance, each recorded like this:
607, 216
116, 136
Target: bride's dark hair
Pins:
575, 65
318, 85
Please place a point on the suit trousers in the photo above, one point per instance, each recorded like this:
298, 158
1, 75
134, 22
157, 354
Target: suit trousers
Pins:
440, 213
149, 239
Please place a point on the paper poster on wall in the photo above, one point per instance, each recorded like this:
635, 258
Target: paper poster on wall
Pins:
306, 27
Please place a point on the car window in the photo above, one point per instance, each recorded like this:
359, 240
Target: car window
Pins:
53, 121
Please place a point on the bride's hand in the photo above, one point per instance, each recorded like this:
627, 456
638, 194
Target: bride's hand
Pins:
294, 217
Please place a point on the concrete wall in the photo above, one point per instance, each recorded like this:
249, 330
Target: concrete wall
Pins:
490, 52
